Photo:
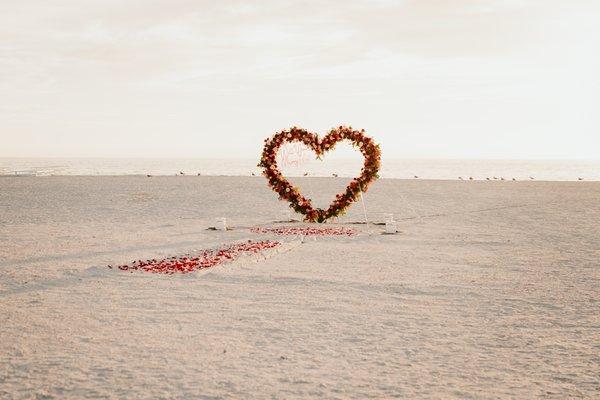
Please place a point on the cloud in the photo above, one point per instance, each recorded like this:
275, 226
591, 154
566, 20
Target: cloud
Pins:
140, 67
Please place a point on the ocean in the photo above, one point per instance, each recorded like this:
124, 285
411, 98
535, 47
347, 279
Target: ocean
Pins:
547, 170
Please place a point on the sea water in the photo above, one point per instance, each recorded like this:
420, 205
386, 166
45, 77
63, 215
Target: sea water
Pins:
548, 170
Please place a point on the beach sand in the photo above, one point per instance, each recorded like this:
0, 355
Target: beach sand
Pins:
490, 290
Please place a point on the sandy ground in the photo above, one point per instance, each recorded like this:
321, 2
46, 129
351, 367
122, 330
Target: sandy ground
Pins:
491, 290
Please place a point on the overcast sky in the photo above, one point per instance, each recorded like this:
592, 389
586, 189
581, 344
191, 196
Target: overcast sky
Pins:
428, 79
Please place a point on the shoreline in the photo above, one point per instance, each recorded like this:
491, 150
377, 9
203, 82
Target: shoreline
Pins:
297, 177
430, 169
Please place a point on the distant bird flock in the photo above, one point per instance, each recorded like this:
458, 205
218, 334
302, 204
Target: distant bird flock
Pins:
335, 175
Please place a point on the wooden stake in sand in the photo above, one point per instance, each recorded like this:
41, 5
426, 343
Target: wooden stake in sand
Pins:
362, 200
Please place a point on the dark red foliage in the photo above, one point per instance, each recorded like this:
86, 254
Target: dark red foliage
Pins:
369, 149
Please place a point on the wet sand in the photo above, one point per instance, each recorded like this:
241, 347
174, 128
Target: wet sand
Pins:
489, 291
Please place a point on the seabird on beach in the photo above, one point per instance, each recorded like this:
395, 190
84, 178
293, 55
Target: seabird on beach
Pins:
579, 179
305, 174
470, 178
181, 173
487, 179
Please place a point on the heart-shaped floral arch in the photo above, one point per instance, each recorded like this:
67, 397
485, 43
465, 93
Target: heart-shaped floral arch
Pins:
369, 149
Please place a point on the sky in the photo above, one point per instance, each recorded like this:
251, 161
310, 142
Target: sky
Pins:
502, 79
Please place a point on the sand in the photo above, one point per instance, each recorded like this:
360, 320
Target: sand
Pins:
491, 290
